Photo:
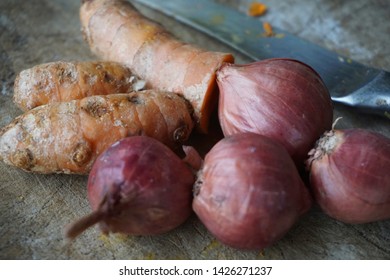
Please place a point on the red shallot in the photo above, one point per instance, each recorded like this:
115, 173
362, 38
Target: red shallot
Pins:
350, 175
249, 193
281, 98
138, 186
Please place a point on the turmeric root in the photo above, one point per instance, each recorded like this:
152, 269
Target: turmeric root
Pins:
65, 81
66, 137
116, 31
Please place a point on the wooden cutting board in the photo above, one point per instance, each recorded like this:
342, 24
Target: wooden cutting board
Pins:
34, 209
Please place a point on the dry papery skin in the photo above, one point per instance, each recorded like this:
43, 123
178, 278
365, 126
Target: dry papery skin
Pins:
66, 81
138, 186
281, 98
349, 175
66, 137
249, 193
116, 31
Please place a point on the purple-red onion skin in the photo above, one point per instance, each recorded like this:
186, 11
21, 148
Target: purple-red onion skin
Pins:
153, 185
283, 99
350, 175
249, 192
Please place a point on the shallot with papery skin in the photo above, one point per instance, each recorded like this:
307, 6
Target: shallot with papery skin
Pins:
281, 98
350, 175
138, 186
249, 193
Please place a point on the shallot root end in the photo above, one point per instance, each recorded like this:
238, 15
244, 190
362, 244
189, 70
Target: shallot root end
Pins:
78, 227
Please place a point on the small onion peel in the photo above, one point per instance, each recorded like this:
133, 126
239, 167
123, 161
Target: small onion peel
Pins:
249, 193
349, 175
138, 186
281, 98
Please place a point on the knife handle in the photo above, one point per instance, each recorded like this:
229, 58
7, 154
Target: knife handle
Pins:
373, 97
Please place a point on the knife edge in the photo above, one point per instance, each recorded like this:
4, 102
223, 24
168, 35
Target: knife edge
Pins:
347, 80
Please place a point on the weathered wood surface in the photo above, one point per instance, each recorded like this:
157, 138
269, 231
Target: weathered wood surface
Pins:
35, 208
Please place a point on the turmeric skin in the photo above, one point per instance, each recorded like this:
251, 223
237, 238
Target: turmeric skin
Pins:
67, 137
65, 81
116, 31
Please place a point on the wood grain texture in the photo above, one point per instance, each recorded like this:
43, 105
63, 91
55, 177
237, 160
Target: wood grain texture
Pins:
35, 208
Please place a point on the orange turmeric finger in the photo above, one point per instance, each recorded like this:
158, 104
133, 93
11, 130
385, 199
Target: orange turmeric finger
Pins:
66, 137
65, 81
116, 31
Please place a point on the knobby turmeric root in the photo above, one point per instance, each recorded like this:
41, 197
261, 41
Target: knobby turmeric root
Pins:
66, 137
116, 31
65, 81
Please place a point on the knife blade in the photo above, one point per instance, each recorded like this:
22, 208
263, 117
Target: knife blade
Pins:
349, 82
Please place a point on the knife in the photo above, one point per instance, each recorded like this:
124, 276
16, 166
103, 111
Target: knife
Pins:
349, 82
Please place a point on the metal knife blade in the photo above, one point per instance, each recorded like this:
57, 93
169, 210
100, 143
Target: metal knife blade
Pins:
349, 82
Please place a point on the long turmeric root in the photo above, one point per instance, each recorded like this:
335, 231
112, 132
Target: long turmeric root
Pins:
116, 31
65, 81
66, 137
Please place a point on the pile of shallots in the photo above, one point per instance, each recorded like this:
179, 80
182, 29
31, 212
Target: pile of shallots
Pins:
276, 116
